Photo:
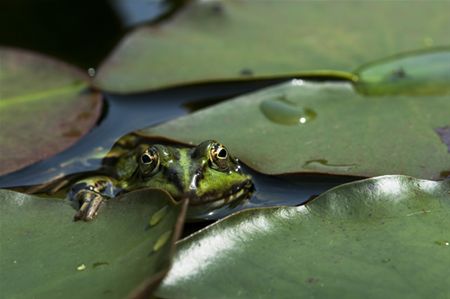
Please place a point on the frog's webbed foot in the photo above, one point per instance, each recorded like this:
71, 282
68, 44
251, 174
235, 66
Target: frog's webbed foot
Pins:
90, 194
90, 203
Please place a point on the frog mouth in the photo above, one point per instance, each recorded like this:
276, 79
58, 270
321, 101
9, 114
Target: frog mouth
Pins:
236, 193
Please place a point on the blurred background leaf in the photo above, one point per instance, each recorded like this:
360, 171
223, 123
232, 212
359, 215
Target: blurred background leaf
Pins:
224, 40
45, 107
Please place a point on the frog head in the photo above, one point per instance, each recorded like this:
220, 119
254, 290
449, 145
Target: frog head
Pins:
206, 174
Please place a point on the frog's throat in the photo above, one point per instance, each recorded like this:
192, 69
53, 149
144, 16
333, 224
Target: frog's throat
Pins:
237, 192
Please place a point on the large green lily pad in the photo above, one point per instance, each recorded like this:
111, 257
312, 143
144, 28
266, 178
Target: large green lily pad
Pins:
324, 128
45, 107
223, 39
385, 237
45, 254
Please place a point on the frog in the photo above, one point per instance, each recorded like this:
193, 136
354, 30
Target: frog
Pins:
206, 174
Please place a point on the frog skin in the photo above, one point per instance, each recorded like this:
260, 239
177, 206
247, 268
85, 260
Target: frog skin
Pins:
206, 174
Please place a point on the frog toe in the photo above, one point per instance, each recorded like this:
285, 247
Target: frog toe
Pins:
90, 205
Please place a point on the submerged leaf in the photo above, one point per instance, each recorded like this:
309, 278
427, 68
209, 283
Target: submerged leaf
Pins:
324, 128
385, 237
45, 107
45, 254
222, 40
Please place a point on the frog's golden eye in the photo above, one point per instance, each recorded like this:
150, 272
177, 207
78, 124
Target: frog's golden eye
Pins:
149, 161
146, 158
222, 153
219, 156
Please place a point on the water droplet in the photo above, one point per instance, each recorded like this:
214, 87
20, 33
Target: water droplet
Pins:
162, 240
91, 72
81, 267
98, 264
282, 111
442, 243
312, 280
246, 72
158, 216
398, 74
322, 164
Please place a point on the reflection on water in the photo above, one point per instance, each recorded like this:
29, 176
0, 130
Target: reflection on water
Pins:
124, 114
284, 190
79, 32
134, 12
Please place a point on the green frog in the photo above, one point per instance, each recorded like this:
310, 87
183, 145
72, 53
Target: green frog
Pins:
206, 174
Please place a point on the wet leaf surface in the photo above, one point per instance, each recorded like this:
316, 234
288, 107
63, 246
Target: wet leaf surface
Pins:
444, 134
324, 128
222, 40
45, 107
45, 254
415, 73
385, 237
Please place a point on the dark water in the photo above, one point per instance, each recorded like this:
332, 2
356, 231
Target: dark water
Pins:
124, 114
272, 191
83, 33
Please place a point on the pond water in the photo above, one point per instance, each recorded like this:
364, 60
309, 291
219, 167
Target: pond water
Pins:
82, 33
124, 114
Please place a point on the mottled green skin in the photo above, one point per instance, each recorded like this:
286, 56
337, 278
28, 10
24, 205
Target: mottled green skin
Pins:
198, 173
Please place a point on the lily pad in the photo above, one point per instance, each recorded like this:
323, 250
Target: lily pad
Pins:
416, 73
324, 128
384, 237
45, 254
222, 40
45, 107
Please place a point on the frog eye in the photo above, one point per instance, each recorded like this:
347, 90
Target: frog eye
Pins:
222, 153
149, 161
219, 156
146, 158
